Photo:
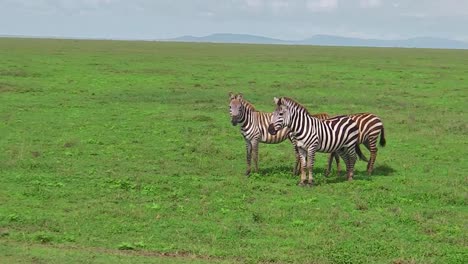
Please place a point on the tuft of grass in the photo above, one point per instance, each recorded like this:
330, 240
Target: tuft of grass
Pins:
43, 237
126, 246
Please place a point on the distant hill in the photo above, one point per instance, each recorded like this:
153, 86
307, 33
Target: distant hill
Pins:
429, 42
231, 38
420, 42
329, 40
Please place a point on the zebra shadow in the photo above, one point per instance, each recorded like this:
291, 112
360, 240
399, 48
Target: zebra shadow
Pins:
361, 175
383, 170
276, 170
281, 170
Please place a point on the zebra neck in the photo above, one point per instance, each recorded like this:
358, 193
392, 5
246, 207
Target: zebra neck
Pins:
247, 120
301, 124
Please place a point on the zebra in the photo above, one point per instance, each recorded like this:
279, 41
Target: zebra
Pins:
311, 134
370, 127
333, 154
321, 116
254, 128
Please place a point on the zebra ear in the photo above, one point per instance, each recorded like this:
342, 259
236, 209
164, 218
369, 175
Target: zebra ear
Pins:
240, 95
231, 95
277, 100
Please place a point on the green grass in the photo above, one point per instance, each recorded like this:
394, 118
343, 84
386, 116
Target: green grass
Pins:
114, 151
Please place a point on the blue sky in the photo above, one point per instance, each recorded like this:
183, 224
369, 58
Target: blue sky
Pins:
285, 19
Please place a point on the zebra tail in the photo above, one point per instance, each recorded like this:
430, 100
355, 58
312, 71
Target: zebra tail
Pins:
359, 152
382, 138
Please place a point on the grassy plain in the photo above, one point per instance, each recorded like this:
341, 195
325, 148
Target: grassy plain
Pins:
123, 152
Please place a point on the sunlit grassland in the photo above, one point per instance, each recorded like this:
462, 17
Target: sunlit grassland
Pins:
123, 151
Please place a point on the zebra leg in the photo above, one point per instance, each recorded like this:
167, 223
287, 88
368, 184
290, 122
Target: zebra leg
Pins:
352, 158
350, 168
310, 164
349, 156
330, 159
297, 165
249, 157
371, 145
337, 159
302, 157
255, 154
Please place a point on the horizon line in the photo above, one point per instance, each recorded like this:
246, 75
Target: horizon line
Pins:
287, 42
224, 33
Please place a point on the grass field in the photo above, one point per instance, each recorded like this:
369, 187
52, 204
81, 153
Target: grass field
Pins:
123, 152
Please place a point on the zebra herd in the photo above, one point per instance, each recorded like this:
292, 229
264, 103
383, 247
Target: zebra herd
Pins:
340, 135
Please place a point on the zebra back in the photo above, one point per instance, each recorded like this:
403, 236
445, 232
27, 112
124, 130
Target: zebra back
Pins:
369, 125
330, 134
321, 116
337, 131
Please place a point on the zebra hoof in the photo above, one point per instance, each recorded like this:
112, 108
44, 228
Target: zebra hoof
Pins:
302, 184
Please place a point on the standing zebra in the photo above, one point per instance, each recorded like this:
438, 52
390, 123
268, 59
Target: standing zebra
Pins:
254, 128
332, 155
370, 127
338, 134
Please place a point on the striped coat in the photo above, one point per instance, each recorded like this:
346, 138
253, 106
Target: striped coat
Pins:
253, 127
370, 127
338, 134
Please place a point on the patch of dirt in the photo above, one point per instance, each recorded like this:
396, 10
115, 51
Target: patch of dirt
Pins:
5, 87
138, 252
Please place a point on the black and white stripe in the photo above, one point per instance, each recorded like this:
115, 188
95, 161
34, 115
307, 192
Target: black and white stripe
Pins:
254, 127
370, 127
339, 134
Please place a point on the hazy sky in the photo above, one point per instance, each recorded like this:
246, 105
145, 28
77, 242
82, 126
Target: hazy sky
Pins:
285, 19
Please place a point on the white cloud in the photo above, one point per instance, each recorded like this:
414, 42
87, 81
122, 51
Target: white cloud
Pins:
254, 3
414, 14
206, 14
279, 6
322, 5
370, 3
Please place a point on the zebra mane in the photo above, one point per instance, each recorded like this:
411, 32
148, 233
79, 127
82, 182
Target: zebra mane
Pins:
247, 104
291, 103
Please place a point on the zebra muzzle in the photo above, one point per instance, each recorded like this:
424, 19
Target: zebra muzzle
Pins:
271, 129
234, 121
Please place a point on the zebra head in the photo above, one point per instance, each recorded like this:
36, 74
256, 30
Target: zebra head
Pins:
236, 109
279, 118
